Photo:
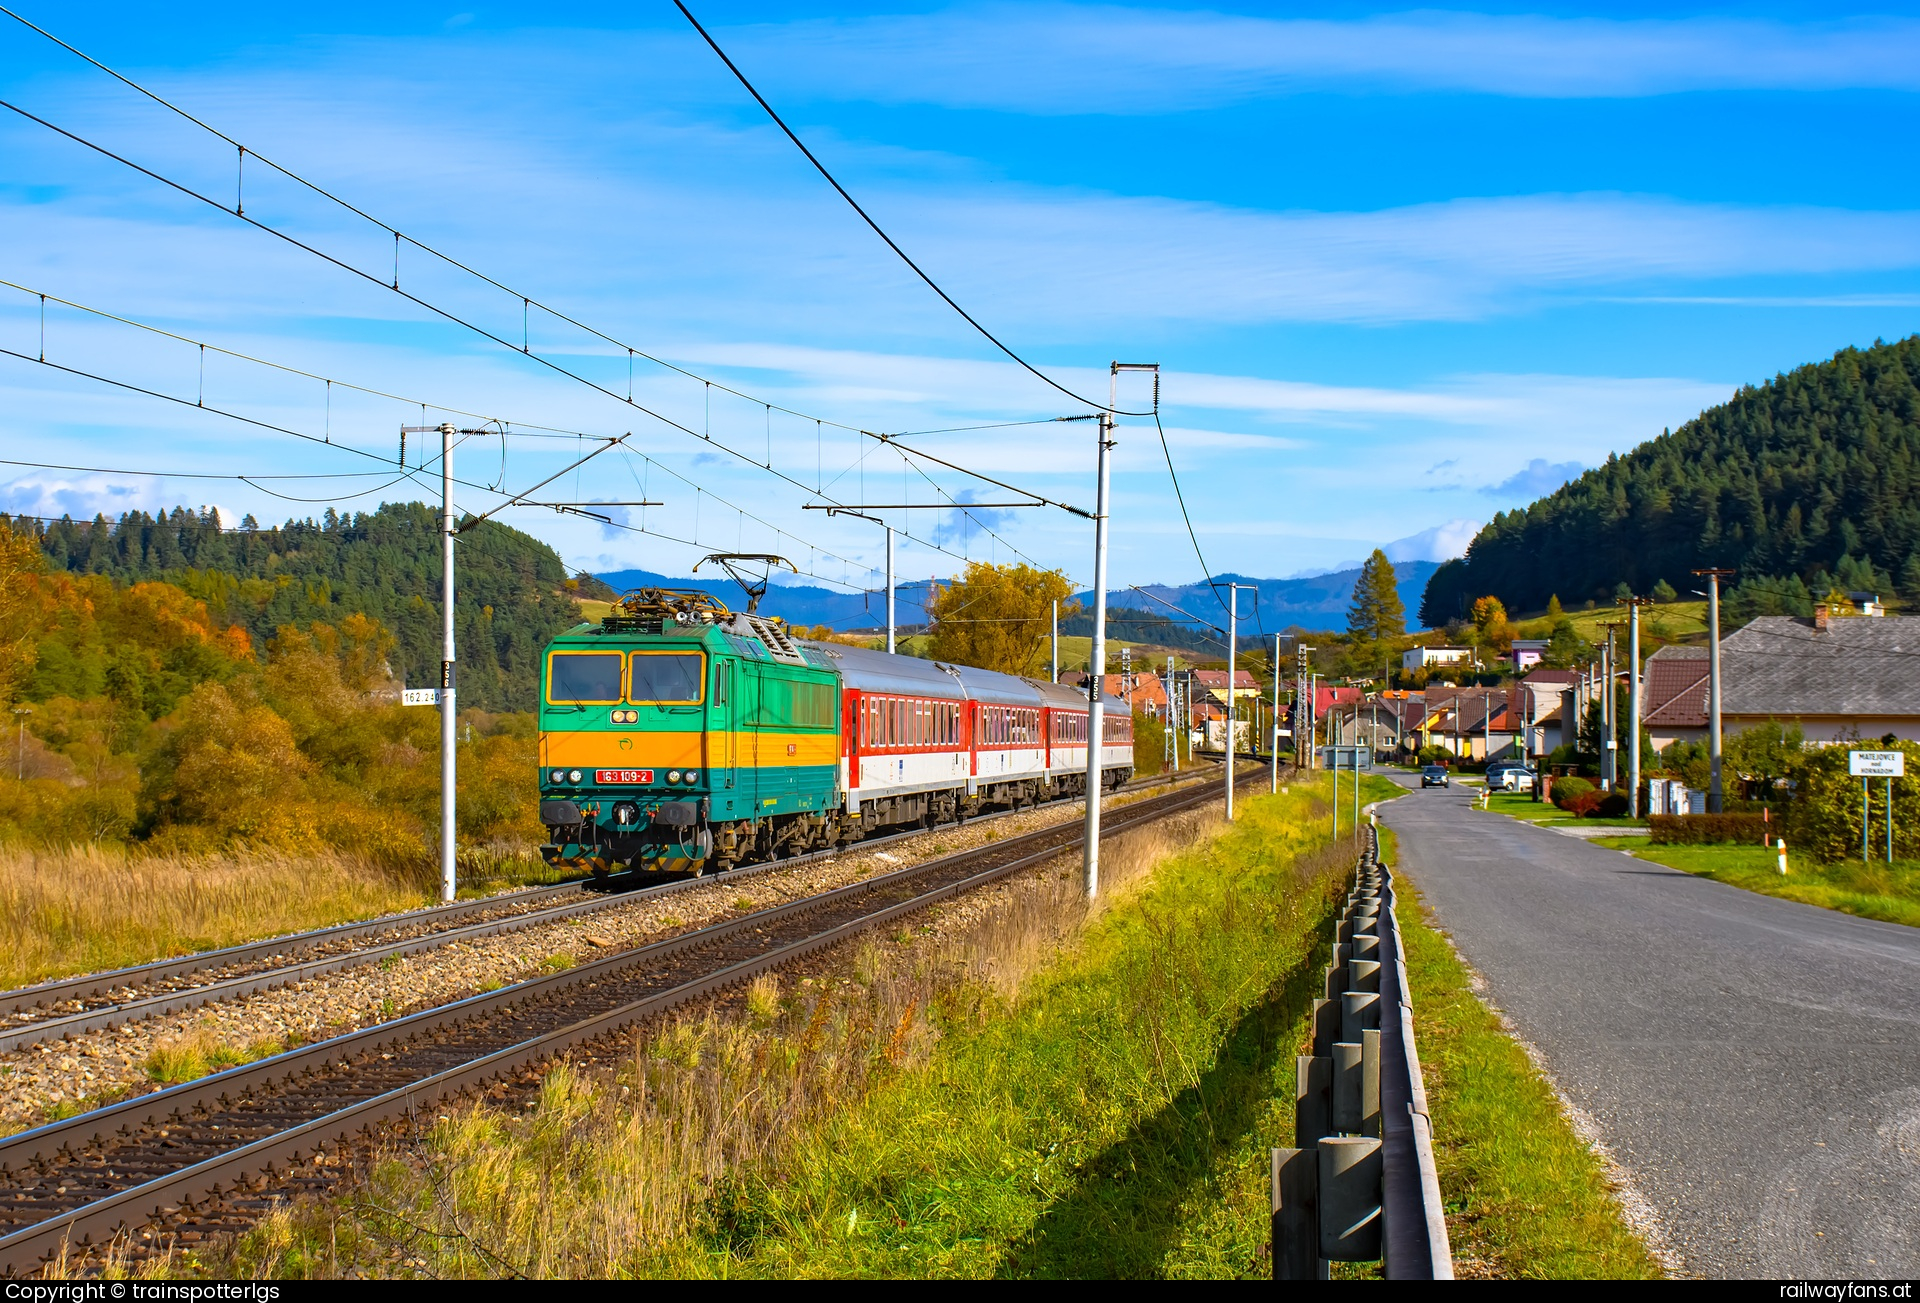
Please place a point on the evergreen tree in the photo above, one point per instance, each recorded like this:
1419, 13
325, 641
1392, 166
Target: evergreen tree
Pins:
1812, 476
1377, 613
1663, 593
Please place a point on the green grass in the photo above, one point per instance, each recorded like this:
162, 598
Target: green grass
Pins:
1679, 621
1888, 892
1519, 805
1525, 1197
1114, 1121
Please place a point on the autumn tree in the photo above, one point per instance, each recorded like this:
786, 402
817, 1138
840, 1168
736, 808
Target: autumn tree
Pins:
997, 617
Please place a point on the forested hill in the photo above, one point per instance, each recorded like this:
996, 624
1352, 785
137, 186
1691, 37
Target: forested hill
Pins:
509, 600
1808, 481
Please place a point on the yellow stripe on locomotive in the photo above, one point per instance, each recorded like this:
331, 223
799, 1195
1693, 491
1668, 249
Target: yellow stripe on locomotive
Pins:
677, 735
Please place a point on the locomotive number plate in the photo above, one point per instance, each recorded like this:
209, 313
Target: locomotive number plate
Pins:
623, 775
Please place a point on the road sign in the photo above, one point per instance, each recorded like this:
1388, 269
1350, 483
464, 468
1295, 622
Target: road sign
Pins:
1877, 764
419, 696
1347, 757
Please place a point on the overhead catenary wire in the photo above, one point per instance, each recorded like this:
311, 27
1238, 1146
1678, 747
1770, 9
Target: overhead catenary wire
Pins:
888, 240
527, 301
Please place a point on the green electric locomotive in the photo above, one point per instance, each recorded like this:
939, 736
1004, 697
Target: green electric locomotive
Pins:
679, 735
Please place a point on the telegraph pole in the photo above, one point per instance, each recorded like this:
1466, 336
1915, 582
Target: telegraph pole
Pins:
1633, 605
1716, 791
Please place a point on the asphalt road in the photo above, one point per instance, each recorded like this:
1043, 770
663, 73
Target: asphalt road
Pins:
1753, 1063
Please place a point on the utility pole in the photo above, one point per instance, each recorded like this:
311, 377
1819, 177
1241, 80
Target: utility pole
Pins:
1633, 605
1273, 770
1609, 726
1716, 791
890, 612
1056, 640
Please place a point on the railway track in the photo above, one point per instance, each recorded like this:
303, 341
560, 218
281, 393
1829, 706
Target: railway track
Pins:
208, 1153
71, 1006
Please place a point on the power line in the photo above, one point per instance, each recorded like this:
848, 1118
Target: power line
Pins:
527, 302
854, 204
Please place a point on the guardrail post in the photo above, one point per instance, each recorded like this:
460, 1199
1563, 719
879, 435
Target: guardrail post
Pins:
1346, 1087
1359, 1010
1363, 975
1296, 1216
1312, 1099
1326, 1025
1366, 946
1369, 1082
1349, 1198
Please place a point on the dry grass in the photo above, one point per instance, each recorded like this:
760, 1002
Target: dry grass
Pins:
83, 909
631, 1172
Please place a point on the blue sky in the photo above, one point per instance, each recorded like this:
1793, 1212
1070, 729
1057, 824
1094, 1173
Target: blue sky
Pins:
1402, 269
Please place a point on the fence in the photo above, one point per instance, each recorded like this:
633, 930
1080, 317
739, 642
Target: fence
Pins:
1362, 1185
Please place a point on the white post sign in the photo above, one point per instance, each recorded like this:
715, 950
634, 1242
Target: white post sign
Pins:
1877, 764
420, 696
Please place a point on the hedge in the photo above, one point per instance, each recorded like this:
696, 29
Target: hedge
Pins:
1699, 829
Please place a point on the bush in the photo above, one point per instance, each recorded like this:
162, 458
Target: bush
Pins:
1700, 829
1580, 806
1568, 790
1612, 805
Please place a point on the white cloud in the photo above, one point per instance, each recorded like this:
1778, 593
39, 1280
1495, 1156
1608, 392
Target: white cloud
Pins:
1076, 59
51, 495
1441, 543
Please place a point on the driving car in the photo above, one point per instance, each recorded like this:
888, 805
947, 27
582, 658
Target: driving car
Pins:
1434, 776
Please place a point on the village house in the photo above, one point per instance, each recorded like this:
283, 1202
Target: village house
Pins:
1420, 658
1837, 677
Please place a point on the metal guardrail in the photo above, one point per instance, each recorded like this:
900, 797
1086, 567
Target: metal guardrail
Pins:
1361, 1186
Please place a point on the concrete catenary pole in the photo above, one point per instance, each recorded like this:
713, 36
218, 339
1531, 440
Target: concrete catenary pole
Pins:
1716, 790
1055, 676
1097, 662
448, 709
1233, 644
890, 624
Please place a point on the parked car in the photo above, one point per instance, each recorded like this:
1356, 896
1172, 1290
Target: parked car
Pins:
1433, 776
1509, 776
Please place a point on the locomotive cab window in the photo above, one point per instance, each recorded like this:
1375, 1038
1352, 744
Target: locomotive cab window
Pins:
666, 678
583, 678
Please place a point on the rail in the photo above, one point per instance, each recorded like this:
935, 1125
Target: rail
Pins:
1361, 1185
177, 1152
512, 911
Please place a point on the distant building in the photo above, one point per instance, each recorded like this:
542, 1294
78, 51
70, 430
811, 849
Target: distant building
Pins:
1528, 652
1419, 658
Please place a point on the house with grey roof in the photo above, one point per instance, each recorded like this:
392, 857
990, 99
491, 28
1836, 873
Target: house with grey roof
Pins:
1838, 677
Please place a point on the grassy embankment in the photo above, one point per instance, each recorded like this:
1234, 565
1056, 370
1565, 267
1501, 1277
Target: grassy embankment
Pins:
1525, 1196
82, 909
1889, 892
1055, 1092
1672, 622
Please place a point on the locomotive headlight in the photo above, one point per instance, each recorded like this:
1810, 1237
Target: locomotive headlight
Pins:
692, 775
573, 775
673, 775
558, 775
